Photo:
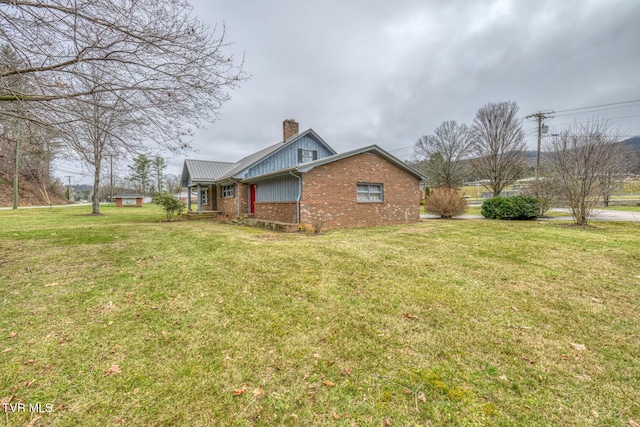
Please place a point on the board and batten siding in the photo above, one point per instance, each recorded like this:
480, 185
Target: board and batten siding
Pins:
278, 189
287, 157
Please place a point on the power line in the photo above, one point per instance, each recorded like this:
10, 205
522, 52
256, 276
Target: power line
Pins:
587, 121
597, 106
595, 111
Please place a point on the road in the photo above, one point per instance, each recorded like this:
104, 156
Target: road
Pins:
598, 215
42, 207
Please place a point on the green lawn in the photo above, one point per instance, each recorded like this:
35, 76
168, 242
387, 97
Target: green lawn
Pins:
126, 320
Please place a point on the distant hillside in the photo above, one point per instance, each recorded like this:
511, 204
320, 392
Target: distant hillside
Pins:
30, 193
632, 143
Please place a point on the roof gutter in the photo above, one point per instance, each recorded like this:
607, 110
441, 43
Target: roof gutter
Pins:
238, 202
299, 196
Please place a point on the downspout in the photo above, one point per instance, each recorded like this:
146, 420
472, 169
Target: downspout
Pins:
238, 196
299, 196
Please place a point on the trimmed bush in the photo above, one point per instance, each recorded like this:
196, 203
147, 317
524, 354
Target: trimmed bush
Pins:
517, 207
170, 203
446, 202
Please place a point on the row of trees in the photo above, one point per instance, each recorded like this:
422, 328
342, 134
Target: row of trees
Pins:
111, 76
582, 166
492, 149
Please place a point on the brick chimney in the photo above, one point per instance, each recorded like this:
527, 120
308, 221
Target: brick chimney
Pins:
289, 128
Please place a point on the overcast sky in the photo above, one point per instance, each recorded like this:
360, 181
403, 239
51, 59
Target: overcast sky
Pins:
386, 72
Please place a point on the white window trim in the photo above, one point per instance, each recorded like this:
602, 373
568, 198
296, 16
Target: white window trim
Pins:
307, 156
227, 191
368, 195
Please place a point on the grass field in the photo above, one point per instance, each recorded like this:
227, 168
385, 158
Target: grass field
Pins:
126, 320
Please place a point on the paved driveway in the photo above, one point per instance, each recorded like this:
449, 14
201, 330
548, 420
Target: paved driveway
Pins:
601, 215
598, 215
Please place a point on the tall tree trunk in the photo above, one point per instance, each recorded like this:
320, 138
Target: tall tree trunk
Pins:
96, 181
96, 191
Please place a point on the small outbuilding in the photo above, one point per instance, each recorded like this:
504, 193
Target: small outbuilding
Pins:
128, 200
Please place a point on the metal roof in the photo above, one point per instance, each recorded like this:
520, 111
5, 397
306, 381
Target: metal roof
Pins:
305, 167
204, 170
210, 172
128, 196
254, 158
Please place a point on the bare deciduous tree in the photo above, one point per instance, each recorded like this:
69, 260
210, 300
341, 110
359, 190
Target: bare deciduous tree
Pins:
173, 183
583, 161
498, 145
443, 154
152, 46
106, 67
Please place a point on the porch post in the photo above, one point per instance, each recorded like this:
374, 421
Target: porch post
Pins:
199, 192
188, 199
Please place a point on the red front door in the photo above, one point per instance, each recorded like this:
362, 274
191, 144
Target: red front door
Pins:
252, 196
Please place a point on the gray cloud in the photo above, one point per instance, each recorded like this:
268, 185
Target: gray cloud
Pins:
365, 72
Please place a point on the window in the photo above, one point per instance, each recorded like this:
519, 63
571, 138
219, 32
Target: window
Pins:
227, 191
369, 192
204, 197
305, 156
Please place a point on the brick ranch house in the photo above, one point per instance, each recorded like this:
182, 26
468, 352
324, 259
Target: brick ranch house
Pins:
302, 180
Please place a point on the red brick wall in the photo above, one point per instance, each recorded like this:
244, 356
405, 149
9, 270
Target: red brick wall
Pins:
119, 203
276, 211
329, 194
228, 206
243, 194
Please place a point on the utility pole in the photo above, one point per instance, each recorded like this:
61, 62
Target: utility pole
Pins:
68, 187
539, 116
16, 167
111, 183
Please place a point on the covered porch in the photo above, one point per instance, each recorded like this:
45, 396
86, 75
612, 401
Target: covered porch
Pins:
205, 196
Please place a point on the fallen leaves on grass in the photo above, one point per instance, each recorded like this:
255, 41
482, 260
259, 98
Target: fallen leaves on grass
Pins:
422, 397
7, 350
528, 359
387, 421
633, 423
409, 316
346, 372
258, 392
28, 383
578, 347
329, 383
12, 334
51, 284
240, 391
113, 370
